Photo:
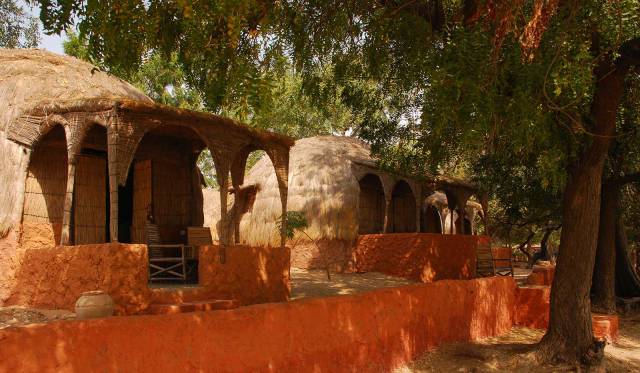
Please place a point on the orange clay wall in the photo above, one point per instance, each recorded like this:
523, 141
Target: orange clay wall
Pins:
422, 257
369, 332
54, 278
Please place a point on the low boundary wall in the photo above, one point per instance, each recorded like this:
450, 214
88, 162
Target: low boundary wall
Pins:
54, 278
374, 331
422, 257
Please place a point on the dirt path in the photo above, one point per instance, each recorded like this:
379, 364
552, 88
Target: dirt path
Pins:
508, 353
314, 283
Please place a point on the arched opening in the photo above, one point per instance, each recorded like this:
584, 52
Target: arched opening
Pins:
403, 209
90, 214
468, 227
161, 203
371, 206
430, 221
164, 182
45, 190
255, 173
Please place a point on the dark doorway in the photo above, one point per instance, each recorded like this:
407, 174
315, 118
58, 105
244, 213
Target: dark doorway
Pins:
403, 209
372, 205
125, 209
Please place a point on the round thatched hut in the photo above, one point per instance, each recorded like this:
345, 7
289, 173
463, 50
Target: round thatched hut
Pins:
336, 183
86, 157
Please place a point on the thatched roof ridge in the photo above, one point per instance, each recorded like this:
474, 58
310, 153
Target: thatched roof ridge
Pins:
35, 82
33, 78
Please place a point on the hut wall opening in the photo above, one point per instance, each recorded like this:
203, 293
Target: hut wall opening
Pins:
430, 221
403, 209
371, 207
45, 189
90, 217
166, 184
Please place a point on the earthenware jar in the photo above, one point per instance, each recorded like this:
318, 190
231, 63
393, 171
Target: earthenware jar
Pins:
93, 304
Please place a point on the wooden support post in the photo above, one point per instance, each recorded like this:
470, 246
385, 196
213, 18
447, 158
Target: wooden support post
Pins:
68, 202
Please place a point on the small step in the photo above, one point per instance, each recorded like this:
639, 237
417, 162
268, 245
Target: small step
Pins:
201, 306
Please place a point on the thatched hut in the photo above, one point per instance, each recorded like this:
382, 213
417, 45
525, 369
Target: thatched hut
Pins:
86, 156
337, 184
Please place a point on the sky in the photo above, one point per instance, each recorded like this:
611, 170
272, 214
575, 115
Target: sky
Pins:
49, 42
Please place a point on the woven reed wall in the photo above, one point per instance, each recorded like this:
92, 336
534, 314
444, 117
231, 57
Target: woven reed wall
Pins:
372, 205
46, 183
90, 200
142, 183
171, 190
12, 182
402, 214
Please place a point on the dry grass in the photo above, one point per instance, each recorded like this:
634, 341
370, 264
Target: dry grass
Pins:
510, 353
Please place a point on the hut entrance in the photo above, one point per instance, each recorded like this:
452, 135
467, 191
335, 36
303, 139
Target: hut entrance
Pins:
430, 221
372, 205
90, 201
403, 209
166, 184
45, 188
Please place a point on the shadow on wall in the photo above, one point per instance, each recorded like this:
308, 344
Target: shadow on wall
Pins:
369, 332
422, 257
53, 278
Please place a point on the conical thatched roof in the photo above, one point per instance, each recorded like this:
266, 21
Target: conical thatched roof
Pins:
33, 78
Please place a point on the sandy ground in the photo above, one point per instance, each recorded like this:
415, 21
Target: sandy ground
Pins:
509, 353
18, 316
314, 283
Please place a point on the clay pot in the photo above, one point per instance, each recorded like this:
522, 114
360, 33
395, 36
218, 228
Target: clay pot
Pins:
94, 304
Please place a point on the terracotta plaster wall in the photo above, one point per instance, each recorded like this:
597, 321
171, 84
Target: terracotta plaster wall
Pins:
249, 275
334, 253
422, 257
369, 332
9, 263
54, 278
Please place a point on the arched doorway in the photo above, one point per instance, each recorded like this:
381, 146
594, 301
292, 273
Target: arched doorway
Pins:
403, 209
91, 198
163, 181
371, 206
45, 190
430, 220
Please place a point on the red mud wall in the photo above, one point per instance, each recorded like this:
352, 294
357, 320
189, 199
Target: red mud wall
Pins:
423, 257
54, 278
335, 253
368, 332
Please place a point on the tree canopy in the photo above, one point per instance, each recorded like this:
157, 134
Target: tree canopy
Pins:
17, 28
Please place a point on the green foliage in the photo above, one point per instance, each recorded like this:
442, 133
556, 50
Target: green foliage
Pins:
17, 28
295, 221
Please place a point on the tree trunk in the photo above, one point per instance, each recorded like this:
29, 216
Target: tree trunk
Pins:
604, 274
569, 336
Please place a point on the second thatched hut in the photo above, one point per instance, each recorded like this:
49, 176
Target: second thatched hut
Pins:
343, 193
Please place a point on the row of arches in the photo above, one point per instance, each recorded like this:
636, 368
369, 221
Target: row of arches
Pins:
402, 212
72, 176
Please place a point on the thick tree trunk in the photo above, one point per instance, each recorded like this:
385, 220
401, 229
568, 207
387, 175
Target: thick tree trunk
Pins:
604, 273
569, 336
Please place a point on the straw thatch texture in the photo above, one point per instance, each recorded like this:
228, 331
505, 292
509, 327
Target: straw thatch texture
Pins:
30, 79
90, 208
12, 176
